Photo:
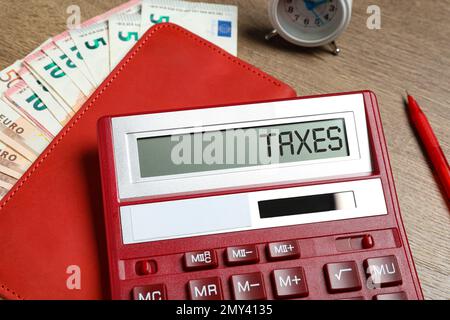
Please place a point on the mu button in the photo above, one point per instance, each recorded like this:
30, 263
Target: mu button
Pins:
248, 286
290, 283
383, 271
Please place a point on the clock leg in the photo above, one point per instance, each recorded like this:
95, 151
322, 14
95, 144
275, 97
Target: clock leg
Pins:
334, 48
272, 34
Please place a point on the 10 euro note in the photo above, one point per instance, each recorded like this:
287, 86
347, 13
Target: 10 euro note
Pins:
68, 67
214, 22
55, 79
60, 110
29, 105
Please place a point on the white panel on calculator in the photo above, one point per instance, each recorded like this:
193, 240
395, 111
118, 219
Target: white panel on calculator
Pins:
127, 130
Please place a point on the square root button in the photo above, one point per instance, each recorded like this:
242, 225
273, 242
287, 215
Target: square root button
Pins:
290, 283
342, 277
248, 286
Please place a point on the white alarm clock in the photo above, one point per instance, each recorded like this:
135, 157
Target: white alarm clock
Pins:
310, 23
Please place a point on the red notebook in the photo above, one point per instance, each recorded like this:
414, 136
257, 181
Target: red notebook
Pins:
51, 222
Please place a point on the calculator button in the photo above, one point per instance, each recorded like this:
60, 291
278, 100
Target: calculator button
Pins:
198, 260
248, 286
290, 283
205, 289
242, 255
150, 292
392, 296
283, 250
342, 277
383, 271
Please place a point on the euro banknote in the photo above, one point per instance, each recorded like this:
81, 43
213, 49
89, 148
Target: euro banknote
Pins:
214, 22
40, 94
123, 34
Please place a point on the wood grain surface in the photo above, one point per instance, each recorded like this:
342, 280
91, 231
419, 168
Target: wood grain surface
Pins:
411, 51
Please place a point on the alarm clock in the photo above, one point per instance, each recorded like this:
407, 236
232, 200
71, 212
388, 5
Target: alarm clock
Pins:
290, 199
310, 23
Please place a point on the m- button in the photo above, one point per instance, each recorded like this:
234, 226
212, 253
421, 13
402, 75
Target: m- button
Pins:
290, 283
242, 255
283, 250
200, 260
248, 286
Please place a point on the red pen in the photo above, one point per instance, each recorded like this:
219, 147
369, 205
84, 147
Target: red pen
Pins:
431, 145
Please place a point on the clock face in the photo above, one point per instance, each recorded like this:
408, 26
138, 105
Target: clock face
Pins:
310, 14
310, 22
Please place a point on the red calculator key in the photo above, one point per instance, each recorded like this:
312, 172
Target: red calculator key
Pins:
242, 255
342, 277
150, 292
248, 286
383, 272
199, 260
283, 250
392, 296
290, 283
205, 289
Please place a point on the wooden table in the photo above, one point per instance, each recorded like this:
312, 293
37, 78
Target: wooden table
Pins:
411, 51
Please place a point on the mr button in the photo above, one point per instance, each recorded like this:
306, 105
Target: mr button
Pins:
200, 260
283, 250
205, 289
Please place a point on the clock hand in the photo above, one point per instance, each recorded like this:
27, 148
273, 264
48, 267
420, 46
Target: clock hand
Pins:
311, 5
317, 16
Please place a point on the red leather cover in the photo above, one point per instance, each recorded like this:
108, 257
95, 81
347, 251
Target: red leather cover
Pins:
52, 219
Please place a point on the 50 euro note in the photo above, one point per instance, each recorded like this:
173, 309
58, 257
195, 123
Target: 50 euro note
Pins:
16, 130
123, 35
215, 22
6, 184
55, 79
92, 40
12, 163
29, 105
20, 134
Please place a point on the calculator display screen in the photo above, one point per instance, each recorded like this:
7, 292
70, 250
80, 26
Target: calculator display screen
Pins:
242, 147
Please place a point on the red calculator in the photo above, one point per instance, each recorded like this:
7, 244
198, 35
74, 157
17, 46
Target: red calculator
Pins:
290, 199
